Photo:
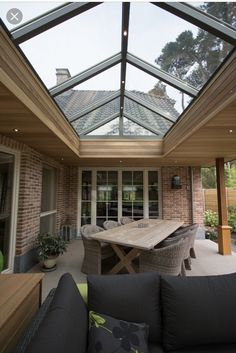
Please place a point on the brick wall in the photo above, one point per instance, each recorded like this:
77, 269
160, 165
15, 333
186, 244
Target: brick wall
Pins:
30, 185
176, 203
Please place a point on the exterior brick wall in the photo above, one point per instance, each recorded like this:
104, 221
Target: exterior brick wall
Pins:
176, 203
30, 186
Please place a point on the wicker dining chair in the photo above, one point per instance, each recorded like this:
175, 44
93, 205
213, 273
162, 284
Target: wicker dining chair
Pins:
110, 224
126, 220
189, 234
94, 251
167, 260
184, 229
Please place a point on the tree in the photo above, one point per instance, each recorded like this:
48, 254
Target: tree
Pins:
209, 176
194, 59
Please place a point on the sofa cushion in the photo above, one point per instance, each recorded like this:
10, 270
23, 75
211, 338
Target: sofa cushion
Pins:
64, 328
107, 335
134, 298
198, 310
155, 348
210, 348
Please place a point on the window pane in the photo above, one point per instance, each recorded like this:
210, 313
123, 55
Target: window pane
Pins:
153, 193
48, 201
86, 209
127, 178
48, 224
102, 193
101, 209
127, 209
175, 45
86, 177
112, 178
152, 178
138, 178
100, 221
112, 209
138, 209
29, 9
102, 178
112, 193
153, 210
86, 192
138, 193
85, 220
77, 43
131, 128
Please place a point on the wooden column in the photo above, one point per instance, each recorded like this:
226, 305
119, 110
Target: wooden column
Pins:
224, 230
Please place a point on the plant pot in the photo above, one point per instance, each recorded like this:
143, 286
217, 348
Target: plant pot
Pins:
50, 263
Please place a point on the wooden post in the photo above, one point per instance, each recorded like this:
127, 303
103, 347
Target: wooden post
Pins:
224, 230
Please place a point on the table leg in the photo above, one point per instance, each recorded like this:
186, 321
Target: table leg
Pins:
125, 259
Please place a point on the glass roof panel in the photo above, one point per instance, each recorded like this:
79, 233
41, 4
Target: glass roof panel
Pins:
89, 92
224, 11
29, 10
79, 43
109, 129
131, 128
146, 116
137, 80
174, 45
97, 116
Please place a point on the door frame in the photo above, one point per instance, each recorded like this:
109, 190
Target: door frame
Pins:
14, 206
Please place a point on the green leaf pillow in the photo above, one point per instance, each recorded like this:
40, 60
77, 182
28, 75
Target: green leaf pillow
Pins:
107, 335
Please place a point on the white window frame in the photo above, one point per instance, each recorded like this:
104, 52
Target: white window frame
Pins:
119, 169
14, 206
53, 211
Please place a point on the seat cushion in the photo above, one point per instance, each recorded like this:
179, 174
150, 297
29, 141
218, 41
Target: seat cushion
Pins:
64, 328
134, 298
107, 334
155, 348
198, 310
210, 348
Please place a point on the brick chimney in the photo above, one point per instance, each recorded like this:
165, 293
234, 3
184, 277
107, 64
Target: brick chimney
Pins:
62, 75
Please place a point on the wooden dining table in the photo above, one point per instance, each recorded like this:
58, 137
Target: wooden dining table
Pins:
140, 235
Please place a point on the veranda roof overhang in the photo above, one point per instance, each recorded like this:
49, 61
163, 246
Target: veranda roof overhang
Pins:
204, 132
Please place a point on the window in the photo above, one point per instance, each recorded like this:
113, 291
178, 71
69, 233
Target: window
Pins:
111, 194
48, 201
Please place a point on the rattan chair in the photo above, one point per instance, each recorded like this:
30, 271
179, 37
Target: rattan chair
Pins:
126, 220
167, 260
189, 233
182, 230
110, 224
94, 251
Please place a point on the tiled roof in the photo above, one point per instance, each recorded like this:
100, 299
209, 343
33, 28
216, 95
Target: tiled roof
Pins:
74, 101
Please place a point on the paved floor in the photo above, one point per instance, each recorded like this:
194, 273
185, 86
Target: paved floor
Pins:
208, 262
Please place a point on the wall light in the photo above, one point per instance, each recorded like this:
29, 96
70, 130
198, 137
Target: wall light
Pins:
176, 182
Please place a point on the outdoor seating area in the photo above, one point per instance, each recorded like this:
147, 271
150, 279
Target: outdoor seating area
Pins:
117, 167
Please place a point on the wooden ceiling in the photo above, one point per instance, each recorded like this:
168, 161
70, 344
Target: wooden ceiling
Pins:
205, 132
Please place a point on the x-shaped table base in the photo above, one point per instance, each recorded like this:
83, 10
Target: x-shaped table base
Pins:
125, 258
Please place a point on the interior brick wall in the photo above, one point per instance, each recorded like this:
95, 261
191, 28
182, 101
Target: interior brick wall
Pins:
176, 203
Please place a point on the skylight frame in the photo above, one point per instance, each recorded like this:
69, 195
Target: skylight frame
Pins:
62, 13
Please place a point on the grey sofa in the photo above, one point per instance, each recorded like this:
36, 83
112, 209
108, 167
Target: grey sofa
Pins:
184, 314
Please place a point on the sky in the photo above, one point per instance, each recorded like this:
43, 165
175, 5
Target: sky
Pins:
93, 36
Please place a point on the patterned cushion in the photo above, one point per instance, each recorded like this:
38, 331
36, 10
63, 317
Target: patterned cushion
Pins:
107, 335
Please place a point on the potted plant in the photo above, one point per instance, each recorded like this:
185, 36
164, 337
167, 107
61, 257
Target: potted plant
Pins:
49, 247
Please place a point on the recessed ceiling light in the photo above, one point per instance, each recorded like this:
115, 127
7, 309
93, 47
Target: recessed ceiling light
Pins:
125, 33
230, 131
15, 130
120, 161
62, 159
122, 82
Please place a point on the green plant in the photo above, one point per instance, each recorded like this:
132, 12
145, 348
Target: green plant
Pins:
48, 245
232, 217
210, 218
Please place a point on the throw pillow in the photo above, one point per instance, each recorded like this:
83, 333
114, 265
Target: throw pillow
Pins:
108, 335
132, 297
